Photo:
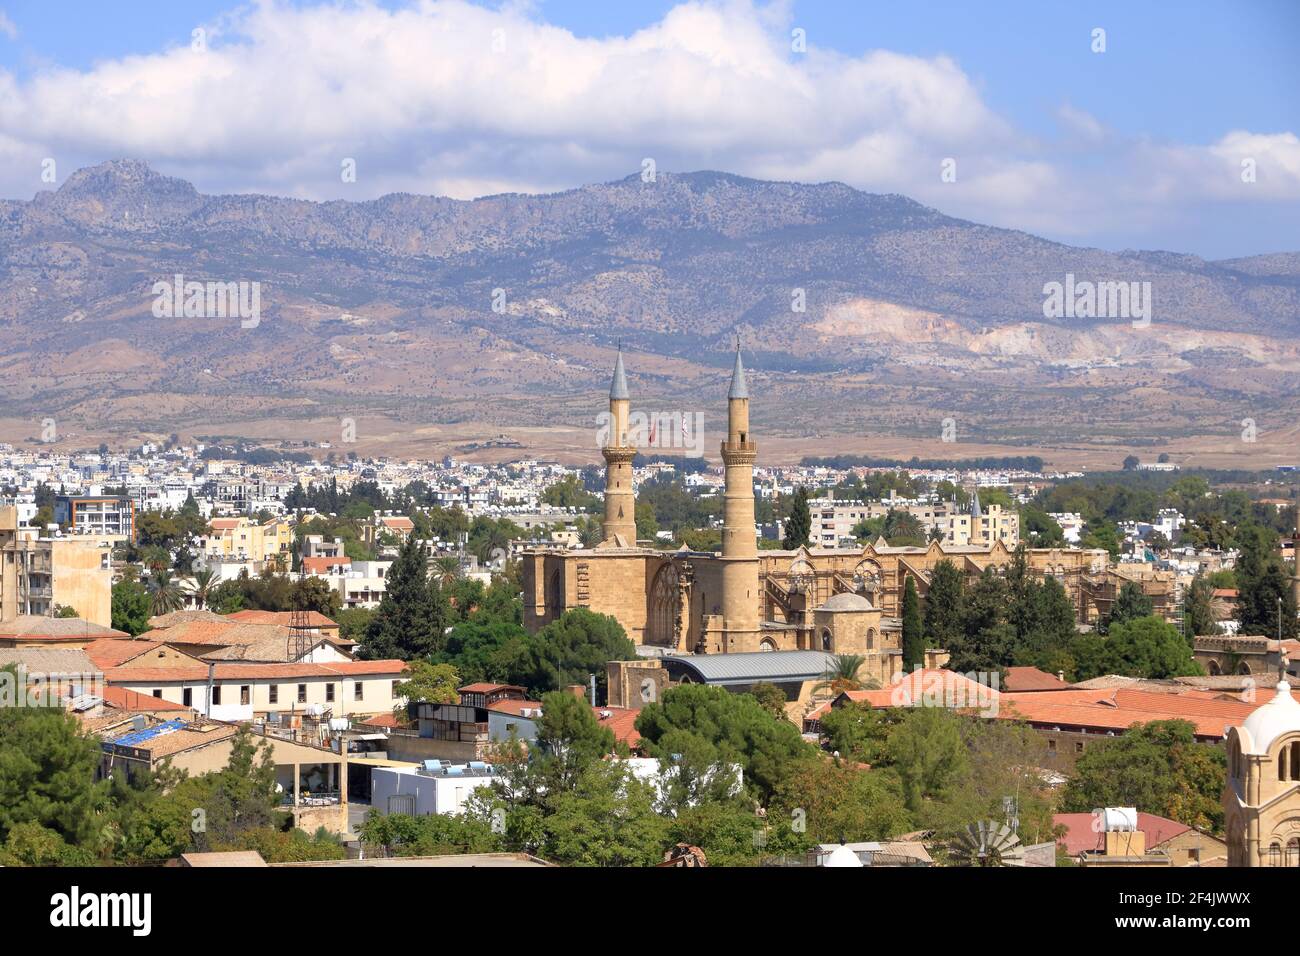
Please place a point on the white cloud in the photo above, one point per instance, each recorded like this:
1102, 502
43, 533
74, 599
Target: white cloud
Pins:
450, 98
7, 26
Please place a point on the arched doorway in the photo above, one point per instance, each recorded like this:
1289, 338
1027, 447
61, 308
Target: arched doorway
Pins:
665, 608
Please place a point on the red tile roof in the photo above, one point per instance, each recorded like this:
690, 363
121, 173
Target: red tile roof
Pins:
234, 672
483, 687
1119, 709
322, 565
1031, 678
122, 699
621, 720
113, 652
282, 618
1082, 835
514, 706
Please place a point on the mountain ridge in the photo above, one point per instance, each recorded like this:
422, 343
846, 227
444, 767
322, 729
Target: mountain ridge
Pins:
429, 309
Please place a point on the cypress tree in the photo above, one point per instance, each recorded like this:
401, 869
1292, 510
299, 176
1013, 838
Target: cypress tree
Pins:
412, 616
945, 605
913, 628
798, 527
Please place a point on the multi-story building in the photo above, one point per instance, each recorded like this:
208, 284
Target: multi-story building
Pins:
833, 522
39, 575
109, 515
243, 538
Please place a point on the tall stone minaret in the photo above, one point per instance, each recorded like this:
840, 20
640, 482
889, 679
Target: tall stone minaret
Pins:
740, 596
620, 501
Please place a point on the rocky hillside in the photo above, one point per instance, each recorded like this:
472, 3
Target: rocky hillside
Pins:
859, 312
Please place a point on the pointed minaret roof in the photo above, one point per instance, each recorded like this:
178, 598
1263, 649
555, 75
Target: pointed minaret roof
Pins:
618, 386
975, 511
739, 387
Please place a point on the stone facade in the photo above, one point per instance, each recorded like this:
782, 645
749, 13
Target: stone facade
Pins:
743, 599
1261, 799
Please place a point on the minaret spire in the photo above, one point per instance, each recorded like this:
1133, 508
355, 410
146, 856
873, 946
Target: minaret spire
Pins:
620, 502
740, 588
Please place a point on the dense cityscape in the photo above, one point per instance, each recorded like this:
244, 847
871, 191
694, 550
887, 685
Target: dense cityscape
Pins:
451, 443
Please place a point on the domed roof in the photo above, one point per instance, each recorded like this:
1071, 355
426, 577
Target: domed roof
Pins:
847, 601
842, 856
1279, 716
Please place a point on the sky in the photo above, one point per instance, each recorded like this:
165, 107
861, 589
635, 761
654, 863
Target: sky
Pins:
1176, 128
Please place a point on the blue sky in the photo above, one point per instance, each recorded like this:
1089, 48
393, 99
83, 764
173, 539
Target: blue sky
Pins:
1134, 147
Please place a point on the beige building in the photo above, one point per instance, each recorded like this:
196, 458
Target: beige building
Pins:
39, 575
243, 538
834, 521
743, 599
1261, 800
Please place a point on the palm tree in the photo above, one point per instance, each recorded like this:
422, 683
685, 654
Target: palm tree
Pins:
842, 674
204, 582
447, 570
165, 595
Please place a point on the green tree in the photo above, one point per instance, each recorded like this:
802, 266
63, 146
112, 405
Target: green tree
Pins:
571, 648
131, 607
945, 605
1265, 597
843, 803
798, 526
1132, 602
735, 724
770, 697
165, 595
1149, 647
410, 620
928, 754
47, 776
1158, 767
1201, 620
913, 628
857, 732
843, 672
429, 683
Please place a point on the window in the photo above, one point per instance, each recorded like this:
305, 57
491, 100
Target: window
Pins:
359, 690
1078, 746
329, 693
157, 692
1051, 745
216, 694
187, 696
395, 693
245, 694
273, 693
1275, 855
302, 693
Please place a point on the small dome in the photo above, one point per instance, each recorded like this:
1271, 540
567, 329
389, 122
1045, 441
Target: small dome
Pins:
847, 601
842, 856
1279, 716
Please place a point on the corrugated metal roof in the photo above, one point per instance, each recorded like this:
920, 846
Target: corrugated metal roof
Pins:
749, 667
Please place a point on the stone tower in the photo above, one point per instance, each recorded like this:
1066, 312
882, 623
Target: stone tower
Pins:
1261, 799
620, 501
740, 595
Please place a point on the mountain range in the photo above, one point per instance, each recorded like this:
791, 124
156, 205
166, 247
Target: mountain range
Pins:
865, 320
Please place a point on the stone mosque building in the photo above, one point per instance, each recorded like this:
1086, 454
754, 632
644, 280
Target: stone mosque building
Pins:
840, 600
